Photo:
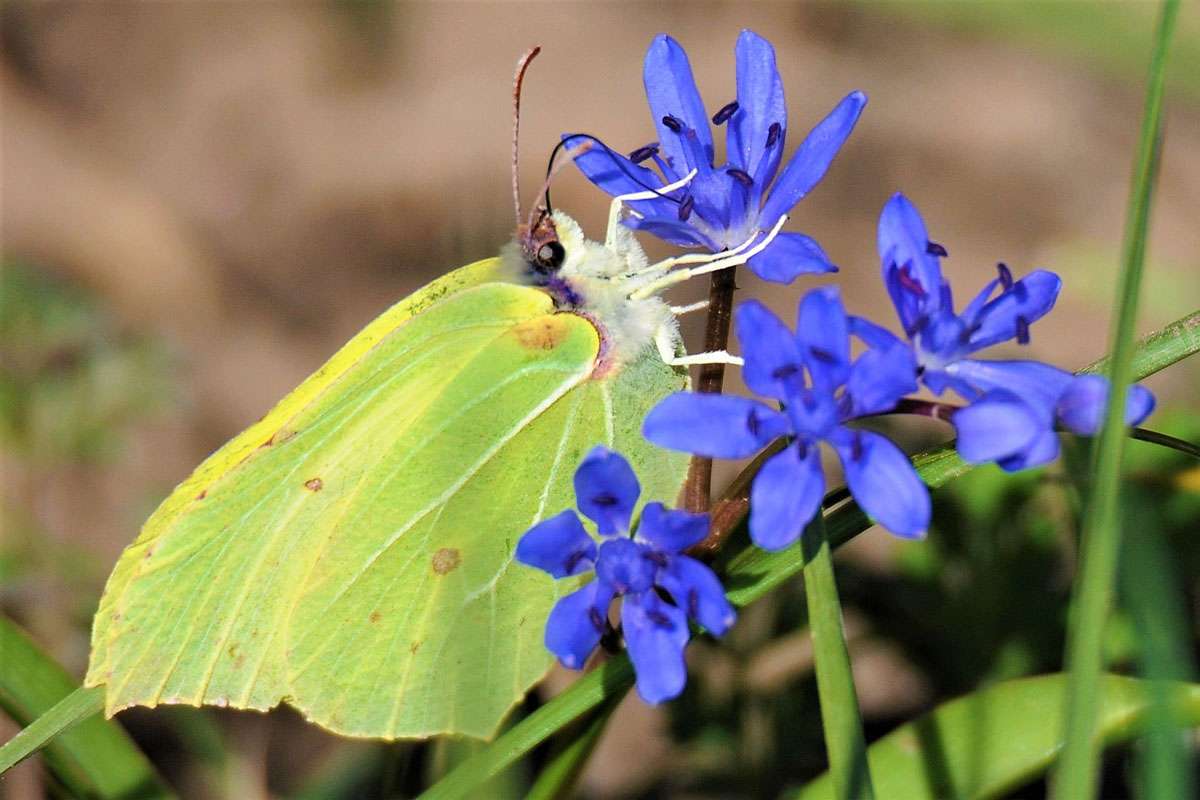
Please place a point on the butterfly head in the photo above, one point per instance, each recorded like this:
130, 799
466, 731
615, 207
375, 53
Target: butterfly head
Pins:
541, 249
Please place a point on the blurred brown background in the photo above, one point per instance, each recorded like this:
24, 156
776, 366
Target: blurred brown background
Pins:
244, 185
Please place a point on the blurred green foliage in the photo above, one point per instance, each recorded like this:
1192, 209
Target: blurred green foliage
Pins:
70, 379
1107, 36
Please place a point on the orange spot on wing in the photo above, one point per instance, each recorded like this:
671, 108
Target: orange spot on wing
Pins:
446, 560
543, 333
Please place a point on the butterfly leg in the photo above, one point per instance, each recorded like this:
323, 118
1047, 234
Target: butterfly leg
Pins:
665, 338
667, 264
618, 203
679, 311
709, 263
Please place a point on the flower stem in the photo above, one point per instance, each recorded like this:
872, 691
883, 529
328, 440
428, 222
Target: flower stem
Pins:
697, 491
840, 718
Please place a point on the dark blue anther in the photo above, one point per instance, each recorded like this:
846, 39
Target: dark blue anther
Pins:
822, 355
573, 561
856, 448
935, 249
773, 134
656, 558
1022, 330
741, 176
727, 111
643, 153
784, 372
685, 208
671, 122
658, 618
1005, 276
908, 282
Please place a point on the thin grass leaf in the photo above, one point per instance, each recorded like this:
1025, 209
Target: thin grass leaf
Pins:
751, 573
558, 777
1151, 591
611, 679
1077, 773
93, 757
840, 717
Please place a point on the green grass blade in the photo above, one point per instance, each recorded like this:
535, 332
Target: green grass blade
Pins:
1077, 773
840, 718
557, 778
991, 742
751, 573
610, 680
89, 755
1158, 350
1151, 591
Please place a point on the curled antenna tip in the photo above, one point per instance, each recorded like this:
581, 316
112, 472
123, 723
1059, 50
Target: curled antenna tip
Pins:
518, 78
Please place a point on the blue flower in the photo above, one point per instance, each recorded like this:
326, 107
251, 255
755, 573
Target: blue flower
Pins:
821, 388
643, 569
1014, 404
722, 207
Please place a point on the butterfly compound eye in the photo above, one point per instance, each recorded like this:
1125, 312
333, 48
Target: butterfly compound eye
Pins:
550, 255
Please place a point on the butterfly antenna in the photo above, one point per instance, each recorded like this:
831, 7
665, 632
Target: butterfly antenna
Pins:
518, 79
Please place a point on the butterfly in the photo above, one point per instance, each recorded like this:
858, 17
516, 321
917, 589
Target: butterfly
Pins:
351, 553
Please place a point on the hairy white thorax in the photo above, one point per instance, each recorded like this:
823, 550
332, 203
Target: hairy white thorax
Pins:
599, 281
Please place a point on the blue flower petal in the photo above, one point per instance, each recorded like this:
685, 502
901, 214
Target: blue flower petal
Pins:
1040, 385
883, 482
671, 229
879, 378
981, 299
672, 531
786, 493
625, 566
1081, 407
823, 332
616, 174
558, 545
1042, 450
774, 366
713, 425
712, 192
576, 623
872, 335
1029, 299
656, 634
606, 490
789, 255
697, 590
812, 159
996, 426
910, 272
761, 104
938, 382
671, 90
